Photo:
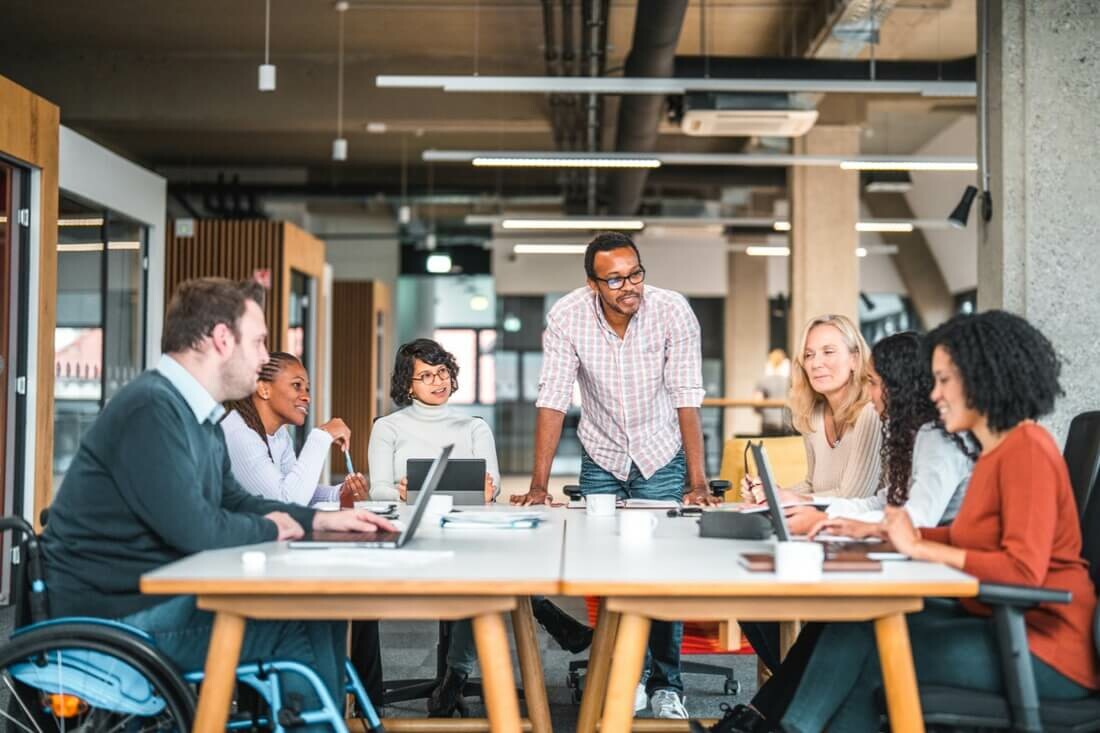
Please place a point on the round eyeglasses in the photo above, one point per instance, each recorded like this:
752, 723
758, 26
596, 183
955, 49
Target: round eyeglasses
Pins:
438, 376
616, 283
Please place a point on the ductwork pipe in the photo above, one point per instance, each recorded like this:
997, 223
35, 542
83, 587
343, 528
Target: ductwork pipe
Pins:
657, 25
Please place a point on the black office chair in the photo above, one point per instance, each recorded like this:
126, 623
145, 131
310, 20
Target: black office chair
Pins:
1020, 707
730, 685
1082, 454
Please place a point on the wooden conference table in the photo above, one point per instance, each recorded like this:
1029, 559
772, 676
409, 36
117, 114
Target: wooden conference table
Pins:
451, 574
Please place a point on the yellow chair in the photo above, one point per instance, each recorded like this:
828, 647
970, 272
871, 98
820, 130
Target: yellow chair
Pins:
788, 459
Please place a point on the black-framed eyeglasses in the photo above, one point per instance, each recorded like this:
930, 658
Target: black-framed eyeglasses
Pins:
438, 376
616, 283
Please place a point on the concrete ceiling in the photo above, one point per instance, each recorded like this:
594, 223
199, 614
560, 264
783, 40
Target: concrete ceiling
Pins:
173, 84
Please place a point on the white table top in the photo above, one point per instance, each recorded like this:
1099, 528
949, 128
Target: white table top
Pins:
436, 560
676, 561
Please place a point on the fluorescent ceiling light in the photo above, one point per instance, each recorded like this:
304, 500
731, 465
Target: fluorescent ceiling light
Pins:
573, 224
768, 251
95, 221
900, 164
693, 222
557, 159
549, 249
535, 161
98, 246
884, 226
649, 85
782, 226
439, 264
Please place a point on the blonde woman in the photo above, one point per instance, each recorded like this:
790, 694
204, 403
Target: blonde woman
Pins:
831, 408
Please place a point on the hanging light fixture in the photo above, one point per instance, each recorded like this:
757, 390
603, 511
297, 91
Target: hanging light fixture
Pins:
267, 69
340, 144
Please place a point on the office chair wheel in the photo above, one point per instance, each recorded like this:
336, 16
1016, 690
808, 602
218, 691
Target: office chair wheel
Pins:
732, 687
80, 676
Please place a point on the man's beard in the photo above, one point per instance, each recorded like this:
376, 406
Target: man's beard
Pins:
237, 381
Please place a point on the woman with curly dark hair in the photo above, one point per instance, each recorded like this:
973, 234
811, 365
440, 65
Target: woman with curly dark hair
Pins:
994, 375
425, 375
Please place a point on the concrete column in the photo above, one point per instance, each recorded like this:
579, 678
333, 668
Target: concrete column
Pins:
1038, 256
824, 212
746, 344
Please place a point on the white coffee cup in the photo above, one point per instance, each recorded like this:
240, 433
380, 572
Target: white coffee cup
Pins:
600, 505
799, 560
439, 504
636, 525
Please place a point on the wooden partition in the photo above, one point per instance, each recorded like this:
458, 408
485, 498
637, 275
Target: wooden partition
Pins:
29, 137
255, 249
361, 367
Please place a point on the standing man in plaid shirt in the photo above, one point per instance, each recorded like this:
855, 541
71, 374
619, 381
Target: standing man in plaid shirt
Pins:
635, 351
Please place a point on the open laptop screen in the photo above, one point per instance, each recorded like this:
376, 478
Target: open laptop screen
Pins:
767, 480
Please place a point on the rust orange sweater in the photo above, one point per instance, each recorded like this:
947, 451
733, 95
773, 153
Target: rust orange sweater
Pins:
1018, 524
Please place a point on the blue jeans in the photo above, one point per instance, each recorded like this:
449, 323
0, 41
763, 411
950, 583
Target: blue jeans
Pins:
950, 647
182, 632
462, 651
667, 483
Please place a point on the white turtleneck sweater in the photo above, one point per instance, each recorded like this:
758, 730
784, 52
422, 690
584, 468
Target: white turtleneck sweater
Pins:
421, 431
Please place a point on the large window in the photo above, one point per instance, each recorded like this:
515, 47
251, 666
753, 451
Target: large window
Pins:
99, 340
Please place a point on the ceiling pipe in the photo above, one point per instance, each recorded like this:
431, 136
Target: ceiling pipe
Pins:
722, 67
657, 25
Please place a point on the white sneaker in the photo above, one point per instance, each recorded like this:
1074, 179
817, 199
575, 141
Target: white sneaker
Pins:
640, 698
667, 704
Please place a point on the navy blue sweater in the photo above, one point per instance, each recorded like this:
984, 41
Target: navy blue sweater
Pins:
148, 486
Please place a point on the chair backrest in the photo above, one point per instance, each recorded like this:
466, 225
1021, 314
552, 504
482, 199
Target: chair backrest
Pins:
1082, 455
787, 454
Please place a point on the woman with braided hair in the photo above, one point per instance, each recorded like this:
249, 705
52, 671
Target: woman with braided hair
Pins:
260, 447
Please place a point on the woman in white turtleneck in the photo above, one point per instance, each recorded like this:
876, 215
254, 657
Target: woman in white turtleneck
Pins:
425, 376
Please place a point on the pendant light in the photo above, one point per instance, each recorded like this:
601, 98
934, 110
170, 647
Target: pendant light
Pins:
267, 69
340, 144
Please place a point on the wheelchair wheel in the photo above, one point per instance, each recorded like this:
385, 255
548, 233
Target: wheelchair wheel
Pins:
83, 677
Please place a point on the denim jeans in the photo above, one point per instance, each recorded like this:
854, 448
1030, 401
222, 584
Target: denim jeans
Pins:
462, 651
182, 632
667, 483
950, 647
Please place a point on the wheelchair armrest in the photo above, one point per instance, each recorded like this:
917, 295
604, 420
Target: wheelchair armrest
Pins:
1020, 596
573, 491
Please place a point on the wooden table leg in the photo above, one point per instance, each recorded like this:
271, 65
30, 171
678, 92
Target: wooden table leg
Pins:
626, 670
220, 673
498, 683
530, 667
599, 667
898, 676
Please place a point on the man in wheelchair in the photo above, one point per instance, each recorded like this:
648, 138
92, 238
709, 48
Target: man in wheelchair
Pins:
151, 483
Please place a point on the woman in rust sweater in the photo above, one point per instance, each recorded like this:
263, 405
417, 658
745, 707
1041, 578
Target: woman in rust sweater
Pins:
994, 374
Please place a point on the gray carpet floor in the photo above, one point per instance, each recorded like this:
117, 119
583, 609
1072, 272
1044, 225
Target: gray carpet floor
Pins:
408, 651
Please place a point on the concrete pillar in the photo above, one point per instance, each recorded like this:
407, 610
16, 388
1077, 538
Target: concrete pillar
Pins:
746, 344
824, 212
1038, 256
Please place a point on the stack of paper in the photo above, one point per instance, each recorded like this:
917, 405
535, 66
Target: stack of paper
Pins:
490, 520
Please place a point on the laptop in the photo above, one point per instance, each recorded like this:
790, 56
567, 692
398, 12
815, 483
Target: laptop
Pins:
380, 539
843, 555
464, 479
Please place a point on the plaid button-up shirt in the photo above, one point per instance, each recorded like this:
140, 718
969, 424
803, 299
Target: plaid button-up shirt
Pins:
630, 387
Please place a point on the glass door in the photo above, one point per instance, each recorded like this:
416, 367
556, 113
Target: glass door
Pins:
14, 251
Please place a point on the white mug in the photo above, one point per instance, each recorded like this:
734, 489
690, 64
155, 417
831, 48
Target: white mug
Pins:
439, 504
636, 525
600, 505
799, 560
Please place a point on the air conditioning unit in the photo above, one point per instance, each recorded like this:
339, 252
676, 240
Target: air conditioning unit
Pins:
744, 115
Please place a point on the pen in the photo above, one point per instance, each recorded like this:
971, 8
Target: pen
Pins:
347, 459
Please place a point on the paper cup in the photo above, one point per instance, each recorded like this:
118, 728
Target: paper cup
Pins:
799, 560
636, 525
600, 505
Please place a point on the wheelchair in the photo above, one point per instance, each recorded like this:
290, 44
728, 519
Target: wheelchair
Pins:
93, 674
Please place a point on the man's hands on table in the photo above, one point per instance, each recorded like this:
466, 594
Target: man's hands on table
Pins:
533, 497
350, 520
700, 495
